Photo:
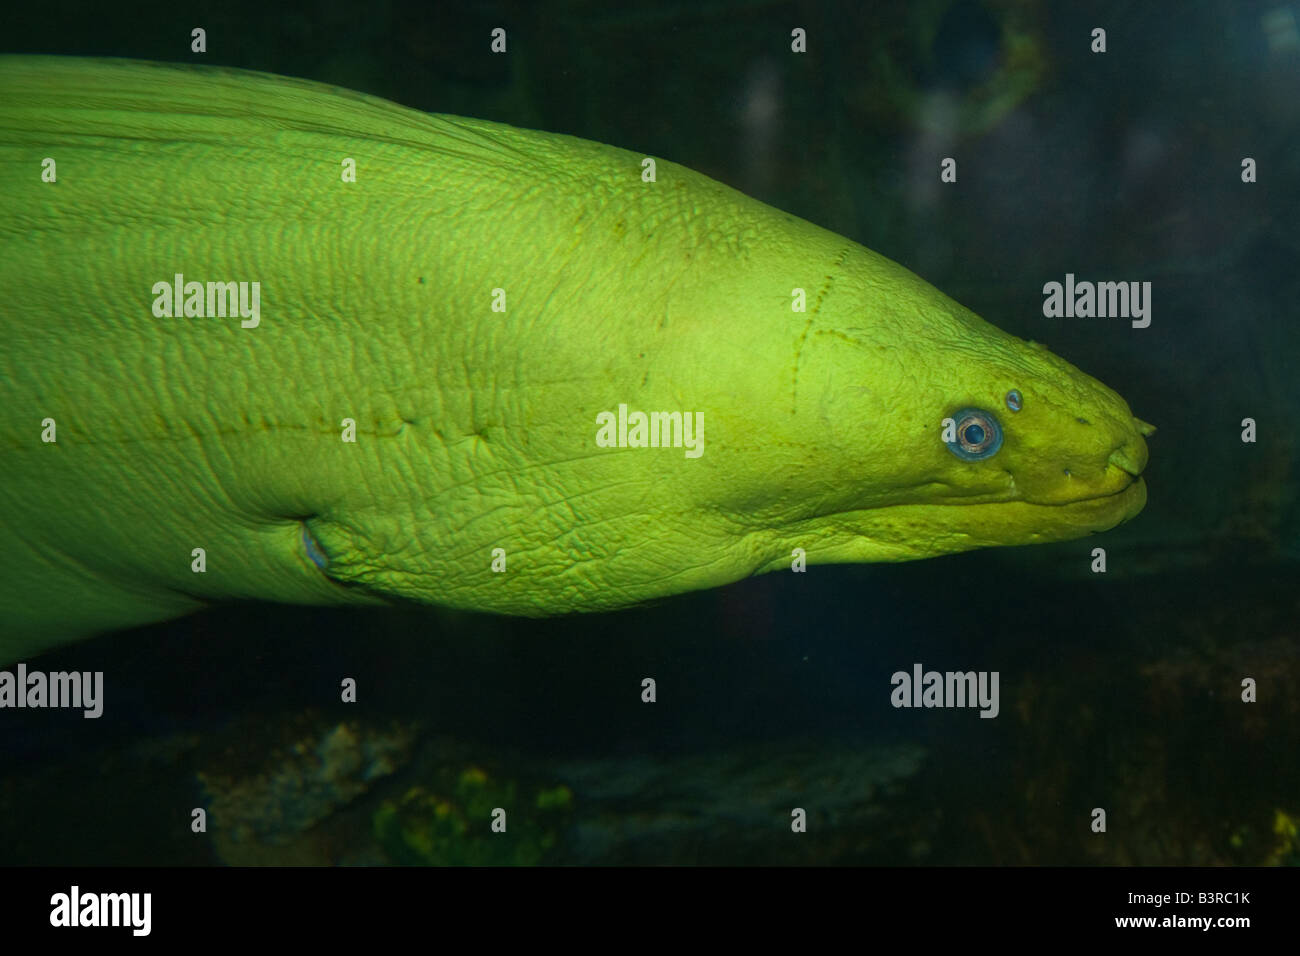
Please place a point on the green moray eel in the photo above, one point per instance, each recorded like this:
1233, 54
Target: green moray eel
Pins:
473, 302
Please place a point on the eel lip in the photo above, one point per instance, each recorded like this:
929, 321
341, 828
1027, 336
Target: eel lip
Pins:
1128, 502
1122, 459
1102, 512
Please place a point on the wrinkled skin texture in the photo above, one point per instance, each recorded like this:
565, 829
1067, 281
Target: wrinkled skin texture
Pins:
475, 429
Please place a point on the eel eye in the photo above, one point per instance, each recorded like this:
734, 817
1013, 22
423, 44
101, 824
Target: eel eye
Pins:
979, 435
1014, 401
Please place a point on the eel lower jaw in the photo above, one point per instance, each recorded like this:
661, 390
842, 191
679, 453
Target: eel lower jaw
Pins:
1064, 520
906, 532
1115, 507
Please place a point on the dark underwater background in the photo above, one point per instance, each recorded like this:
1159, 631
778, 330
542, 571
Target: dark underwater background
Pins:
1119, 690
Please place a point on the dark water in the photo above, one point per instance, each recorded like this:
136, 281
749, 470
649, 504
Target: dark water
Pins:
1119, 691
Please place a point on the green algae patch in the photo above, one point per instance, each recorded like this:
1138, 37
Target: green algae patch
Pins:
468, 817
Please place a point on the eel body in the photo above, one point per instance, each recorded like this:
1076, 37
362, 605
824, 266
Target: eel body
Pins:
490, 308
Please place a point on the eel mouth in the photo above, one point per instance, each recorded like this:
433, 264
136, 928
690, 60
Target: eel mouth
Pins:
1120, 494
1114, 507
905, 532
1022, 521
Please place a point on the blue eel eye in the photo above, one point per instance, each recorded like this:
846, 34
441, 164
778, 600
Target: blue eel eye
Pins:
1014, 401
979, 435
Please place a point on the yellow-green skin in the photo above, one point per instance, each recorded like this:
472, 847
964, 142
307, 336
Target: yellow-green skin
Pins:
476, 429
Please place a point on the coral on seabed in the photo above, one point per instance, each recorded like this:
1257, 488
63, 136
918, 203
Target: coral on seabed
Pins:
272, 797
